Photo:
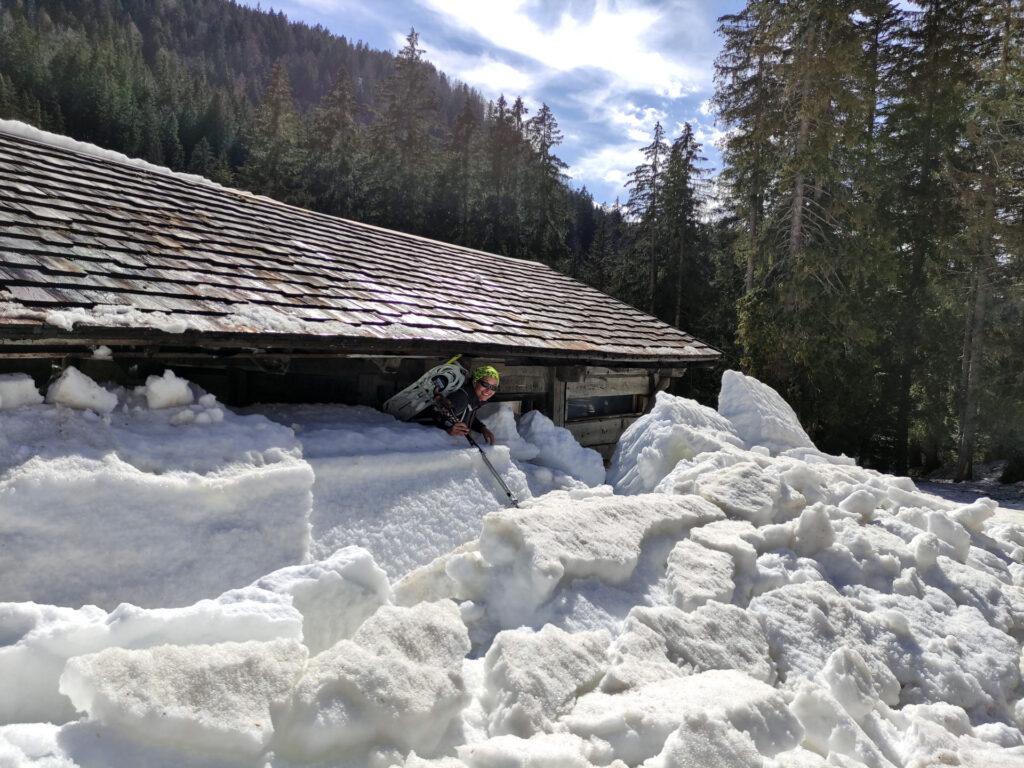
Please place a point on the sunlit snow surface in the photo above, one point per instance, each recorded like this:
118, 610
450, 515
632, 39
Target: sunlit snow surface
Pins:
734, 598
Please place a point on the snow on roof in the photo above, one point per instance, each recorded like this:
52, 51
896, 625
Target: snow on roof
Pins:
91, 241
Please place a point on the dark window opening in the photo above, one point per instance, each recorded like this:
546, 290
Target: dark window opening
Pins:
602, 405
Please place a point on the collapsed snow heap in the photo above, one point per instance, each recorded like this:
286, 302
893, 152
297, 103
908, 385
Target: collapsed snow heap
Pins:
733, 597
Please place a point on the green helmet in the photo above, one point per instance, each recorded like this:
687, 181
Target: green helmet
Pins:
486, 371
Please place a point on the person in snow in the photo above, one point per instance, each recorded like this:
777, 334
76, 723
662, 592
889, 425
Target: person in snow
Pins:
465, 402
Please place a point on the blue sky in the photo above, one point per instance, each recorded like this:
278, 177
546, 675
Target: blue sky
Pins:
608, 68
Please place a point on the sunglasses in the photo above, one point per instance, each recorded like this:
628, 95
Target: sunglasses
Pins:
490, 387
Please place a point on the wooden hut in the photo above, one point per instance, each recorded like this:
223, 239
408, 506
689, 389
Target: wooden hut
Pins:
257, 300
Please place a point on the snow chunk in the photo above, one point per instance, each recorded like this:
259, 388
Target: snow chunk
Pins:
334, 595
18, 389
501, 420
707, 741
167, 391
663, 641
697, 574
558, 449
637, 723
830, 730
848, 677
214, 698
559, 750
759, 415
38, 639
805, 623
530, 551
32, 745
973, 516
397, 682
534, 677
76, 390
676, 429
747, 492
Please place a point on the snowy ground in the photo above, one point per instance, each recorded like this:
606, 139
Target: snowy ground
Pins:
732, 596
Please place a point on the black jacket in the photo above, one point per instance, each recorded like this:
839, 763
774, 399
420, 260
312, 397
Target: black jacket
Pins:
464, 405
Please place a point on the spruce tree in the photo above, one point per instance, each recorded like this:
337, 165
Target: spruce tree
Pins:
549, 213
402, 140
682, 200
331, 149
273, 163
645, 205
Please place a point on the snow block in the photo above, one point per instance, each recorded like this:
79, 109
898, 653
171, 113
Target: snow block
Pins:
806, 622
18, 389
637, 723
74, 389
214, 698
697, 574
759, 415
334, 595
534, 677
167, 391
398, 682
530, 551
706, 741
559, 750
38, 640
715, 636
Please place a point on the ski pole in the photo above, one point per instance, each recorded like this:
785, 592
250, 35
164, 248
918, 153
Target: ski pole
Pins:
501, 482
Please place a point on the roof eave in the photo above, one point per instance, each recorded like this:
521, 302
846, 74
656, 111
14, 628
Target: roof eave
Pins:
42, 336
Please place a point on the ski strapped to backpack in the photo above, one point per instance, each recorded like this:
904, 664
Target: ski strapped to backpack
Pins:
419, 395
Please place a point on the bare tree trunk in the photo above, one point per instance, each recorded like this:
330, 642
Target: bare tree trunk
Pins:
796, 221
972, 363
654, 279
680, 256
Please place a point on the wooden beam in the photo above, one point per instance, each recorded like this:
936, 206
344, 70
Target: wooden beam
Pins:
599, 431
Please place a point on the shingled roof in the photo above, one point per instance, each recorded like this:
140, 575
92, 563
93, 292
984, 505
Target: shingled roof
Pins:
96, 246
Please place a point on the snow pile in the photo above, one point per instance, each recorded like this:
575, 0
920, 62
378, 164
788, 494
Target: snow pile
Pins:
17, 389
766, 605
500, 419
674, 430
167, 391
140, 506
318, 603
410, 493
759, 415
558, 449
74, 389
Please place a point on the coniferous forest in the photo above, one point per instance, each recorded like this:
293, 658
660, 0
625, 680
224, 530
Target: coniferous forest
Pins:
862, 249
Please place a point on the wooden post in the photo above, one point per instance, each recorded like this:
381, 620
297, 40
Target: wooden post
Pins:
556, 397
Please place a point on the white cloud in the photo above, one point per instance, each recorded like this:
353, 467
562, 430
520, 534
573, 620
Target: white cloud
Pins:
611, 164
638, 122
615, 38
485, 73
